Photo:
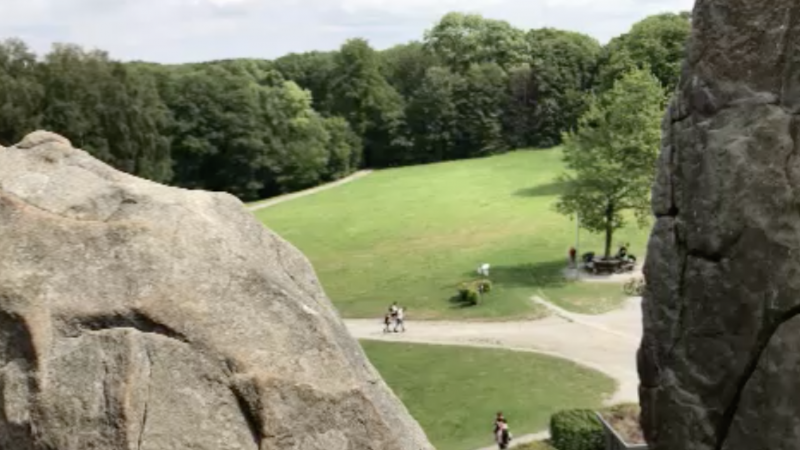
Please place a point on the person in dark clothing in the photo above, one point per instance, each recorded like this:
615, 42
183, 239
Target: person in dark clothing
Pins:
630, 255
387, 321
572, 254
501, 434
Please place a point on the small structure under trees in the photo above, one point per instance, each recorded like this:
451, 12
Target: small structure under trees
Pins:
612, 155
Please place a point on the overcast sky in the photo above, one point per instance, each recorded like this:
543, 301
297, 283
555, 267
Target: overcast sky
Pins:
196, 30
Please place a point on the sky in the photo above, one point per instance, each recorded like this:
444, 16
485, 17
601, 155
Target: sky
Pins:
175, 31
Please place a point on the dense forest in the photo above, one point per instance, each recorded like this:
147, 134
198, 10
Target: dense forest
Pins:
472, 86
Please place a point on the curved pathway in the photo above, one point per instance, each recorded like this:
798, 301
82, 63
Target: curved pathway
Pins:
606, 342
285, 198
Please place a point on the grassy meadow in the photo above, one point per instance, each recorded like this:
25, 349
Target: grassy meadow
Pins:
464, 387
412, 234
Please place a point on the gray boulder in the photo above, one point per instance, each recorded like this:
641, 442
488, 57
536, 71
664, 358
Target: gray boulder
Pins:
720, 358
142, 317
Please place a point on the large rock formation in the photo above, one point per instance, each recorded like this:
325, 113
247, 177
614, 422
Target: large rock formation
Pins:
141, 317
720, 357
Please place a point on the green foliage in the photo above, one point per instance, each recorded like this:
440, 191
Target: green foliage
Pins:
404, 66
433, 116
562, 72
361, 94
480, 109
344, 147
656, 43
21, 95
611, 156
577, 429
473, 87
468, 294
462, 40
312, 71
107, 108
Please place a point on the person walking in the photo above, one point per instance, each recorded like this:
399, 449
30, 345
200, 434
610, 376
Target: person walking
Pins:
398, 322
503, 435
387, 321
572, 254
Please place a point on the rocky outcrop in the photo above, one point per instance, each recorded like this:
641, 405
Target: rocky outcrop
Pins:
137, 316
720, 356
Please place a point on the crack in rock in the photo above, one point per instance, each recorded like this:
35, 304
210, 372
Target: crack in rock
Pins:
74, 327
247, 396
143, 422
765, 336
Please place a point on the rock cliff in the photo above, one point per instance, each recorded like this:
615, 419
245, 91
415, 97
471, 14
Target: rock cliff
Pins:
720, 356
137, 316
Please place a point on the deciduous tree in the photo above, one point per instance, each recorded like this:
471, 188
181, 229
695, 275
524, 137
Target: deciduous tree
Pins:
611, 157
460, 40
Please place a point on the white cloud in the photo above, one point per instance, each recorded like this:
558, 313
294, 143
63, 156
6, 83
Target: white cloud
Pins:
192, 30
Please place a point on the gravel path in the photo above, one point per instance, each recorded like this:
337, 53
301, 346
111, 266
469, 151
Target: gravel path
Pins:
285, 198
606, 342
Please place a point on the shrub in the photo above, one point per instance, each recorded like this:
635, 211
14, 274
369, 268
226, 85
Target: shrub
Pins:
484, 286
577, 429
467, 293
470, 292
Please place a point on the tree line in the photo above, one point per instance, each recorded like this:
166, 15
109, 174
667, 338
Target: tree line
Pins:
472, 86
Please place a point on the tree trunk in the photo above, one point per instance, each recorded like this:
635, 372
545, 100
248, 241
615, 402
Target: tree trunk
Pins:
609, 228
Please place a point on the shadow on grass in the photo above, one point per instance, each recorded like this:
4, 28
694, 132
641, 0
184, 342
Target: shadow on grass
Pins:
541, 275
543, 190
457, 303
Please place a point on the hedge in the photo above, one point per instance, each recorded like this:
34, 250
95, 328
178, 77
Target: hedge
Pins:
577, 429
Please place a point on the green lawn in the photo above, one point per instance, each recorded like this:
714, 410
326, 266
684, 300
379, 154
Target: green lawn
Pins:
412, 234
454, 392
586, 298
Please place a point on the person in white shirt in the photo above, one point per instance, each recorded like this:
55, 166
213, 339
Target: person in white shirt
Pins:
399, 320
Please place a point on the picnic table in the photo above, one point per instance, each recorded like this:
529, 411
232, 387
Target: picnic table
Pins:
606, 266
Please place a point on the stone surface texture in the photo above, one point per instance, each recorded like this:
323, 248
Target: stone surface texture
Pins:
142, 317
719, 362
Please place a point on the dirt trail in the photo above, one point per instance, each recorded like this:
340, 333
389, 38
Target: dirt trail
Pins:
285, 198
606, 342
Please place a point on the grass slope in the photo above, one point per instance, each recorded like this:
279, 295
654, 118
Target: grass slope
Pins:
454, 392
412, 234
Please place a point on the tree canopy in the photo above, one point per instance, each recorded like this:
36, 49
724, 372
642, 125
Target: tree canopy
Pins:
612, 155
471, 87
656, 43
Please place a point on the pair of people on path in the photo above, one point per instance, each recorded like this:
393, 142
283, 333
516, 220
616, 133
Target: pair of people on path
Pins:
501, 434
397, 315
